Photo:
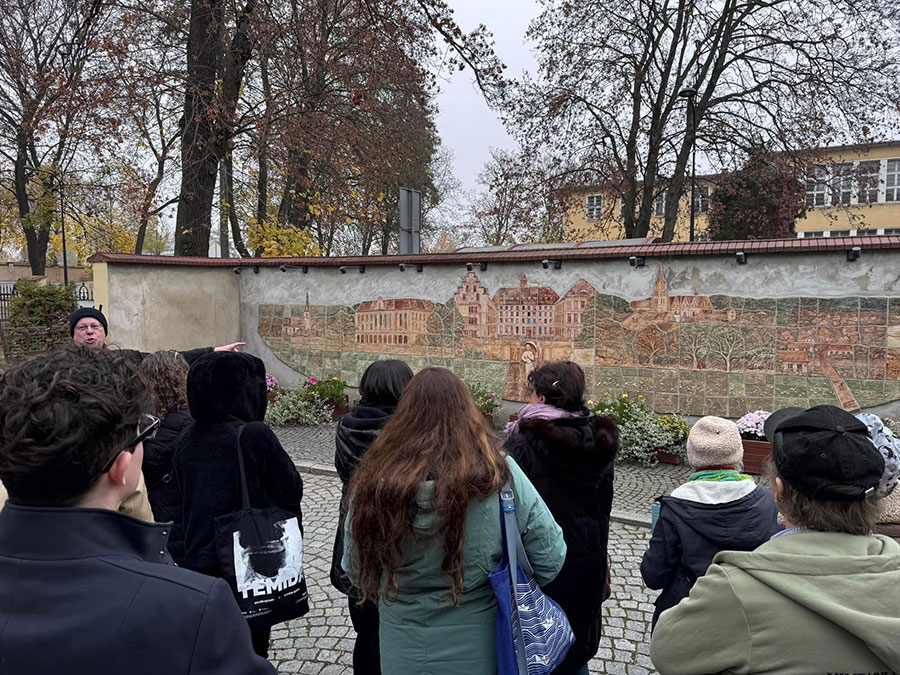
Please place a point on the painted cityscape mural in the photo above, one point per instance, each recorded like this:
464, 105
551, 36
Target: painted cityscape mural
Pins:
692, 354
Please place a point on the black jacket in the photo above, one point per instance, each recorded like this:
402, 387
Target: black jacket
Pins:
136, 356
691, 530
570, 462
227, 390
163, 493
356, 431
93, 591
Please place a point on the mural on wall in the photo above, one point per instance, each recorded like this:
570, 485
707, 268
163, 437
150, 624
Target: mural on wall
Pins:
692, 354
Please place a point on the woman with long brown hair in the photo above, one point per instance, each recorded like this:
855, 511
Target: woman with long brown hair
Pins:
424, 530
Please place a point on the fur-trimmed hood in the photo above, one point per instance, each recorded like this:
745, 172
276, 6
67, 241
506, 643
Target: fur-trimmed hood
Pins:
587, 444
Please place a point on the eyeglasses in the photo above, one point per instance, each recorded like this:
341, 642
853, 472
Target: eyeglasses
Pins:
148, 425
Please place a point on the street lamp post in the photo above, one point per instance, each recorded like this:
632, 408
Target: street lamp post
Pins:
62, 223
690, 94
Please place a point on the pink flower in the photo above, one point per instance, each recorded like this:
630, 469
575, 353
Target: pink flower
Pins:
313, 380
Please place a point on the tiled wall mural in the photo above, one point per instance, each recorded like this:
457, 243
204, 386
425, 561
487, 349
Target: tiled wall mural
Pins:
693, 354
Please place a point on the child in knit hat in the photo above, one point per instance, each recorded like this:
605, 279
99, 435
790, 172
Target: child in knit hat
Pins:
718, 509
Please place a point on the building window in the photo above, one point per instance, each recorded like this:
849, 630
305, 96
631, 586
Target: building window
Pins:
659, 205
867, 181
892, 181
701, 199
839, 233
815, 234
594, 206
842, 187
892, 230
816, 186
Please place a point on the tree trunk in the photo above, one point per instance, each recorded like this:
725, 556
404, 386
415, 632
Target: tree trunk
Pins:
37, 234
231, 210
224, 206
199, 145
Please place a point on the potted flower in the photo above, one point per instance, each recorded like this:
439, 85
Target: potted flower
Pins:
756, 448
332, 393
271, 387
487, 401
644, 437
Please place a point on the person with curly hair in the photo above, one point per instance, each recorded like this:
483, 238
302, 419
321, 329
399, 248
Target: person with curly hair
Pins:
423, 530
166, 372
86, 589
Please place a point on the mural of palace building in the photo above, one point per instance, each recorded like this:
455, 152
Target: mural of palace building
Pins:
693, 354
392, 322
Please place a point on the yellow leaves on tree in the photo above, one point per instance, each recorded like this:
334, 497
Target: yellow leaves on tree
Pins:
277, 241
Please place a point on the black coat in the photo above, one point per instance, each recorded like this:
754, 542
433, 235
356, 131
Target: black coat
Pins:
93, 591
162, 491
356, 431
570, 462
689, 534
226, 391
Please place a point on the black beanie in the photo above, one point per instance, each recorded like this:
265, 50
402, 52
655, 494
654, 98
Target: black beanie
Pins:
85, 312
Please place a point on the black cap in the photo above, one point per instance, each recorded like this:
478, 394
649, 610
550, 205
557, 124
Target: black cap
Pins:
824, 452
83, 313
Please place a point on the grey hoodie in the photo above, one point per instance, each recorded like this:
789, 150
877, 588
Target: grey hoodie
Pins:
803, 603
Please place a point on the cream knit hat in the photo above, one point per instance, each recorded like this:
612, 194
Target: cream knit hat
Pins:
714, 441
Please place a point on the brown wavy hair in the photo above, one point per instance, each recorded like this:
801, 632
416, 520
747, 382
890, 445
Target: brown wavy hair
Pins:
166, 372
438, 434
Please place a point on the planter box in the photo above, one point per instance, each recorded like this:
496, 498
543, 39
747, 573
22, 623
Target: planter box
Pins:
339, 412
489, 419
271, 396
755, 455
667, 457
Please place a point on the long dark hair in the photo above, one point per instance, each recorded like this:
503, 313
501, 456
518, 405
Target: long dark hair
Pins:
437, 434
384, 381
166, 372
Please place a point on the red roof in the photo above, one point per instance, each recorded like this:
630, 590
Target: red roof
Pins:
395, 304
622, 252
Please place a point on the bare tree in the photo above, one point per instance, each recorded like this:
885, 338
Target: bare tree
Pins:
782, 74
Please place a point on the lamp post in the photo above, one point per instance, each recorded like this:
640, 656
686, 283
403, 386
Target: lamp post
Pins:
690, 94
62, 224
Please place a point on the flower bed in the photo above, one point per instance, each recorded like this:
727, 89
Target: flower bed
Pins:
311, 403
643, 434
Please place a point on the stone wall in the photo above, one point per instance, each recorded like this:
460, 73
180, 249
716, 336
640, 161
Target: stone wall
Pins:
691, 334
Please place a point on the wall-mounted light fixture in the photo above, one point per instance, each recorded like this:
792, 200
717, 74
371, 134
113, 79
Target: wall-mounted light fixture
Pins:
283, 268
741, 258
557, 264
403, 267
854, 253
342, 269
636, 261
236, 270
256, 269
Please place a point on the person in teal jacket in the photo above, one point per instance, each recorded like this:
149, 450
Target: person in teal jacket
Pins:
423, 531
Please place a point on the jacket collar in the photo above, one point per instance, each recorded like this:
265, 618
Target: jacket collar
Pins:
49, 533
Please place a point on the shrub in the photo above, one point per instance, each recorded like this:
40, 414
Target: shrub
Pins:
33, 302
297, 406
330, 391
487, 401
642, 433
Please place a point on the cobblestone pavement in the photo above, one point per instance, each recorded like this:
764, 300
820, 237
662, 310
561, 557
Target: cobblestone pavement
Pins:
633, 493
321, 643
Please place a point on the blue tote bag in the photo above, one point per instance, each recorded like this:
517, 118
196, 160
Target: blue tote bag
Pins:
533, 633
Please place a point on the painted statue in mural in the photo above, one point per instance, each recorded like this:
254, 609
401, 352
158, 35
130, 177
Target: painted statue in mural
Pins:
692, 354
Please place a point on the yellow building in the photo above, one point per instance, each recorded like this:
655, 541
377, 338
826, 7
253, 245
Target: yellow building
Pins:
850, 189
853, 189
596, 214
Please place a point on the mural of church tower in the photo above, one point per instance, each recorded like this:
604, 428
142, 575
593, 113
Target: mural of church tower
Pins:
307, 315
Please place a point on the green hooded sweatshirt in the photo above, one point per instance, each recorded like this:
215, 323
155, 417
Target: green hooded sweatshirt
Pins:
805, 603
420, 632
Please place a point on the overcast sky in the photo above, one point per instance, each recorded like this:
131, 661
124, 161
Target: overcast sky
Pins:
465, 123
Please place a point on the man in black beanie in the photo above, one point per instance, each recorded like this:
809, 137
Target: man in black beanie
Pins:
88, 328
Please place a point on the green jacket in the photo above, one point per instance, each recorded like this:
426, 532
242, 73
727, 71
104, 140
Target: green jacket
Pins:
805, 603
422, 634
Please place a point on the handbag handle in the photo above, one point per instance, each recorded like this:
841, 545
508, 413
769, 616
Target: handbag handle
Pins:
510, 535
245, 495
